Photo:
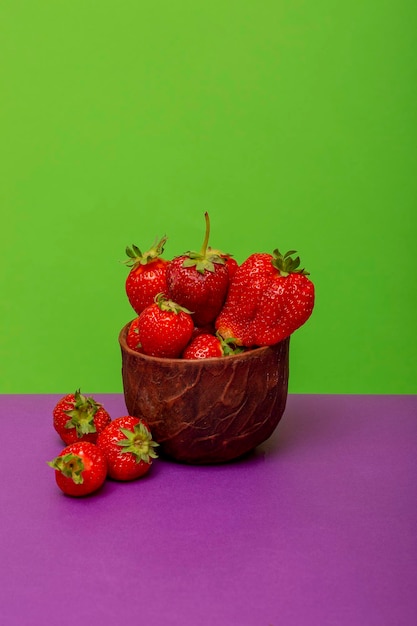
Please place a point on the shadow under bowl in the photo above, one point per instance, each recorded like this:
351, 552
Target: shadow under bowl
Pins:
206, 411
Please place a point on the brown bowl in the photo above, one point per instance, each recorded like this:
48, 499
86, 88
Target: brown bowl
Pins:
207, 410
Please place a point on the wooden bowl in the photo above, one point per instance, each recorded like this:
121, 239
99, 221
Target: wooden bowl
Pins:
207, 410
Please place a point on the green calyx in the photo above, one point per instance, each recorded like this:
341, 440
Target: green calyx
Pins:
220, 253
82, 415
207, 258
139, 443
70, 465
165, 304
136, 257
286, 265
229, 345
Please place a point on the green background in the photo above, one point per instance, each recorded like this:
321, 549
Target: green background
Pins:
291, 122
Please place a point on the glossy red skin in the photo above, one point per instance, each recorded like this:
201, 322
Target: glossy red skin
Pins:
263, 307
288, 303
244, 295
121, 466
132, 337
231, 265
203, 346
144, 282
201, 293
70, 435
164, 333
94, 474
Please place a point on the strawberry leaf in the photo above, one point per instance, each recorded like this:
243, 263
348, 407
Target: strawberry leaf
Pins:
136, 257
139, 443
285, 264
70, 465
82, 415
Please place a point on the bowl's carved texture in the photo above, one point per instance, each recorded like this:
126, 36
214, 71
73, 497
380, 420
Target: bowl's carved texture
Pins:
208, 410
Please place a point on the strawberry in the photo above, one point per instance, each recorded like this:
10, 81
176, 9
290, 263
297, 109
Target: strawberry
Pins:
207, 346
199, 281
132, 337
78, 418
80, 469
147, 277
203, 346
165, 328
128, 447
269, 298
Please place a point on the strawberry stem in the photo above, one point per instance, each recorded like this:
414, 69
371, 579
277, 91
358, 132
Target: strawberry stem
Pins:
203, 250
205, 259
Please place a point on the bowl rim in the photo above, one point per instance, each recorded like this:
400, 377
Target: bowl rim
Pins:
251, 352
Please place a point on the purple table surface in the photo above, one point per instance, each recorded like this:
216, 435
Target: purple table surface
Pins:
317, 527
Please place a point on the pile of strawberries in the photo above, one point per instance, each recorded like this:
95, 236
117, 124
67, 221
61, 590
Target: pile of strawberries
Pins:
198, 305
98, 447
203, 304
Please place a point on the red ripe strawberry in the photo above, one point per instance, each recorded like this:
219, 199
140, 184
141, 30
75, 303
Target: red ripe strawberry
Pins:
147, 277
269, 298
165, 328
128, 447
207, 346
203, 346
132, 337
199, 281
78, 418
80, 469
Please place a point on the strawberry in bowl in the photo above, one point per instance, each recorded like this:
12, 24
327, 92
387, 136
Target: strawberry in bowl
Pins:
147, 275
199, 281
269, 298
